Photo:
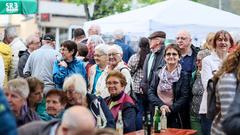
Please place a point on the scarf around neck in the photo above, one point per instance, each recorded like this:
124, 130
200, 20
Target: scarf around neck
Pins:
166, 79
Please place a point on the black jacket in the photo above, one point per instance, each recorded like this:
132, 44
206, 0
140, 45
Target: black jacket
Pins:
23, 57
179, 116
231, 124
157, 62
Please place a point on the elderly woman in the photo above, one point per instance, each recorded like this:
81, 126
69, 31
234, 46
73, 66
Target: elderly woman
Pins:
120, 101
55, 104
68, 64
17, 91
76, 89
115, 62
210, 65
197, 91
170, 89
97, 73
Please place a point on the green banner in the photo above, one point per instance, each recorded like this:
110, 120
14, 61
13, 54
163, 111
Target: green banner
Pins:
18, 6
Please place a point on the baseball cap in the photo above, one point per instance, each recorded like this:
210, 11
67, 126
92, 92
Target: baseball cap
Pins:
49, 37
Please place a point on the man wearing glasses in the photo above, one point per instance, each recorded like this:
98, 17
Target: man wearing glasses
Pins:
33, 43
188, 51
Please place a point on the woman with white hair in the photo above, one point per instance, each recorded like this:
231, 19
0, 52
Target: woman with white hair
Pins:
17, 91
115, 62
76, 89
97, 73
92, 42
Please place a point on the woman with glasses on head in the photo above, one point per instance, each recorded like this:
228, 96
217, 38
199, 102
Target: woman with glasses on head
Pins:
170, 89
76, 89
120, 101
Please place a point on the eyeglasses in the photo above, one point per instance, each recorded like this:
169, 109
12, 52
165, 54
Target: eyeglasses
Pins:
98, 55
70, 92
114, 83
173, 54
182, 38
112, 54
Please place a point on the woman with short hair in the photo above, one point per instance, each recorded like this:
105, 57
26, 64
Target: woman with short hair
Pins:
17, 91
76, 89
120, 101
170, 89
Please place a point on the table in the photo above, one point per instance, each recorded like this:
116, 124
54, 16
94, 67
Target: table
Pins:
169, 131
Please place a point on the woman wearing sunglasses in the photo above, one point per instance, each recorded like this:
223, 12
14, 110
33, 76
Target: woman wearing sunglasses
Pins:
170, 89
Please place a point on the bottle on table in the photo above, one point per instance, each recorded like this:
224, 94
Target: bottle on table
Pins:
163, 121
119, 124
156, 121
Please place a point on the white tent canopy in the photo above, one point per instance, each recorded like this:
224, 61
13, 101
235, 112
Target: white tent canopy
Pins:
170, 16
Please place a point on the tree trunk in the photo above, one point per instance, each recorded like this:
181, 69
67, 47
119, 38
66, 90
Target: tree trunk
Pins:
86, 9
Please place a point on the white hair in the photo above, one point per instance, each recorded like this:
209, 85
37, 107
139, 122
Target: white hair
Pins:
116, 48
96, 39
118, 34
18, 85
10, 32
78, 82
30, 39
95, 27
102, 48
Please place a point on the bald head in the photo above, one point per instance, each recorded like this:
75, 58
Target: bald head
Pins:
184, 41
77, 120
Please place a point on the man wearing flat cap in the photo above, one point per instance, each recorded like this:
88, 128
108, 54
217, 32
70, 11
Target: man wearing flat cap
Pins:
153, 61
40, 62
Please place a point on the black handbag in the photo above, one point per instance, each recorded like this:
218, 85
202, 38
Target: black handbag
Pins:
211, 99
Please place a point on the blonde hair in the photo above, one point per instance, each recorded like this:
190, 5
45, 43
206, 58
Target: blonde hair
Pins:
19, 86
78, 82
207, 44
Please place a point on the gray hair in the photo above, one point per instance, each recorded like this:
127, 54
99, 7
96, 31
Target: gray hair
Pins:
30, 39
116, 48
78, 82
10, 32
95, 27
18, 85
118, 34
102, 48
96, 39
203, 53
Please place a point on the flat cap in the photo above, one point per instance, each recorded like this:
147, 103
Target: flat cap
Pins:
155, 34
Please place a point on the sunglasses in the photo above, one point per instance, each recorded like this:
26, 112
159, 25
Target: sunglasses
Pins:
173, 54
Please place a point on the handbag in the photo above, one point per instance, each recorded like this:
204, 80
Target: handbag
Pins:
211, 99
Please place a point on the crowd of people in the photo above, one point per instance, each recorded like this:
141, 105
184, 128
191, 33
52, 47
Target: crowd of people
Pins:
80, 88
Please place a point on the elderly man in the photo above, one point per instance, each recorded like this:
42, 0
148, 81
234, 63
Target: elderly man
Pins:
76, 120
11, 38
94, 30
119, 40
33, 43
188, 51
153, 61
40, 62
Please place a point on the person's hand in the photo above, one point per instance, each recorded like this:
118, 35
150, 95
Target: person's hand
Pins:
165, 108
62, 63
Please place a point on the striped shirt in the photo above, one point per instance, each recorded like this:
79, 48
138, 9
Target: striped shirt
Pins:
225, 92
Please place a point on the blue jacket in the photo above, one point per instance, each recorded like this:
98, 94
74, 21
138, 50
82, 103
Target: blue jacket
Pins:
127, 50
60, 73
7, 120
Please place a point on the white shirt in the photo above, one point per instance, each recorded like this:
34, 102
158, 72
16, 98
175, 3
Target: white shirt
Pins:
210, 65
2, 72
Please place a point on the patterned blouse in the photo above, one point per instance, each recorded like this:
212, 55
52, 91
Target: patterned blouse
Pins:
197, 92
137, 74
